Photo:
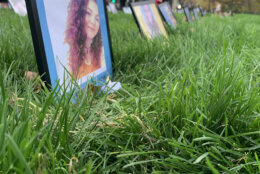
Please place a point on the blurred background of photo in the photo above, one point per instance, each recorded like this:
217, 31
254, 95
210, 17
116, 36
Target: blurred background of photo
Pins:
225, 6
232, 6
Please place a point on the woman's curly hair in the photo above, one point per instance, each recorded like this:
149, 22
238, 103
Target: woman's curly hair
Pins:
75, 36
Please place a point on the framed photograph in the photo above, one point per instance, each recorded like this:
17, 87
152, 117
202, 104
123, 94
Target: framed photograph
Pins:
19, 7
113, 7
180, 11
187, 14
4, 5
168, 14
109, 9
127, 10
72, 41
148, 19
202, 11
196, 13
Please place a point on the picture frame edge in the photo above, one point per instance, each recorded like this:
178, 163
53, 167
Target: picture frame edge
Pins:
38, 43
109, 39
162, 16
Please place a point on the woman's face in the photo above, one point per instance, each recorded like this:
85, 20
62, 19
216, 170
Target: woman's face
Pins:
91, 19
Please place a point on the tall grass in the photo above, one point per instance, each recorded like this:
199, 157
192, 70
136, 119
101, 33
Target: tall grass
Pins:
189, 104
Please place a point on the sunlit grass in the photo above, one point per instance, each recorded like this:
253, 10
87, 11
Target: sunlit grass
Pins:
189, 104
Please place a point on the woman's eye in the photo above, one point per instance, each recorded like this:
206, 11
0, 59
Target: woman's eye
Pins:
97, 18
88, 13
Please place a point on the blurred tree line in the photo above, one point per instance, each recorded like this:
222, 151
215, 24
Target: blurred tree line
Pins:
236, 6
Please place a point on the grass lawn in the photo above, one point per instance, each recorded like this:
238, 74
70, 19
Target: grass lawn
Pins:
190, 104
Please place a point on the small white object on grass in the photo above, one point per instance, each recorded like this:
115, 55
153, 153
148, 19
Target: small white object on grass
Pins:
111, 87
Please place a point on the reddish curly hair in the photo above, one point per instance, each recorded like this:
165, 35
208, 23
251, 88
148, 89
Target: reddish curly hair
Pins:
75, 36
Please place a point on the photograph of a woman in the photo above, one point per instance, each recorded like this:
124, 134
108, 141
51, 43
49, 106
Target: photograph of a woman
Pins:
83, 35
72, 41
